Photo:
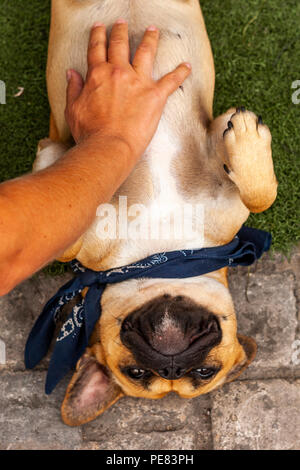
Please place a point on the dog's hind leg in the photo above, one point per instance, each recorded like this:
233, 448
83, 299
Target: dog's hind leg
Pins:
53, 131
243, 143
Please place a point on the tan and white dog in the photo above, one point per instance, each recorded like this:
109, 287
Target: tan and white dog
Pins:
147, 342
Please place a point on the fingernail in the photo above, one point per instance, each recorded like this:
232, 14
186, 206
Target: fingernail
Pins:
152, 28
98, 25
69, 75
121, 21
188, 65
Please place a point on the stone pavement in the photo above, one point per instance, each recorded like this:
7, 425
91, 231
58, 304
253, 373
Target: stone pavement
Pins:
259, 411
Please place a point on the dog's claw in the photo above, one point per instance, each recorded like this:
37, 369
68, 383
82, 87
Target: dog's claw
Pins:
230, 126
243, 109
260, 120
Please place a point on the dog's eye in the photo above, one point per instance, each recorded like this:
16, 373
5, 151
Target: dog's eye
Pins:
136, 373
205, 372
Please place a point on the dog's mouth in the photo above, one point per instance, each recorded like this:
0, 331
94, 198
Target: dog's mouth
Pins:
171, 333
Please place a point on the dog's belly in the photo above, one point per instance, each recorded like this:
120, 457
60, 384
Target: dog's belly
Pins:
183, 38
175, 170
171, 183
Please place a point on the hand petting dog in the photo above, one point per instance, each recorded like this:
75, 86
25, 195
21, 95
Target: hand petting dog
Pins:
113, 117
120, 100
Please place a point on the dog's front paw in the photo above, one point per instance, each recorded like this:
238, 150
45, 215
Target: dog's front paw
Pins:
248, 159
247, 142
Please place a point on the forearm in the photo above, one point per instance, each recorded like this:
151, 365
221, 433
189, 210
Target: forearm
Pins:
43, 214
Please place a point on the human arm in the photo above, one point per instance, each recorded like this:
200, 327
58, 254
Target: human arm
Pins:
113, 117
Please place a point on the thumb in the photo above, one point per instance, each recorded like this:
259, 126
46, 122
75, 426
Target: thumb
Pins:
75, 86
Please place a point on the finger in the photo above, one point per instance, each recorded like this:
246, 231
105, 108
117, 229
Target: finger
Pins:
75, 86
143, 61
97, 46
118, 50
172, 81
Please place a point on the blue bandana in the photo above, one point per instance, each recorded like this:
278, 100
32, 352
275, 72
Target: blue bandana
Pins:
244, 250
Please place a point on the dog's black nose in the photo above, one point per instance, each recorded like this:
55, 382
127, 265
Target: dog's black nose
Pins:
170, 338
172, 373
170, 335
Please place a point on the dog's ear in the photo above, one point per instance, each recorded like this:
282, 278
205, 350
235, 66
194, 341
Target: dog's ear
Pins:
90, 392
247, 355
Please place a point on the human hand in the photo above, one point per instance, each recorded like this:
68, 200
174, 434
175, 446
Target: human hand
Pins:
119, 99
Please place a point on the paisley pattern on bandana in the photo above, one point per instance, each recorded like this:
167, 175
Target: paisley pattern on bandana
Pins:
72, 325
153, 261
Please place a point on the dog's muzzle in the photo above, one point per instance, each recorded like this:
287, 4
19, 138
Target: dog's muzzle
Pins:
170, 335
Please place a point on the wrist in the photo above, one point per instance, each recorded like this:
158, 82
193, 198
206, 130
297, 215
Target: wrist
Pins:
112, 159
114, 143
117, 146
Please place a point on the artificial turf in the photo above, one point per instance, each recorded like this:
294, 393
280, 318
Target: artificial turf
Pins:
256, 46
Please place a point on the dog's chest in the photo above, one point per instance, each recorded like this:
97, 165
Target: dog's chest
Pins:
165, 147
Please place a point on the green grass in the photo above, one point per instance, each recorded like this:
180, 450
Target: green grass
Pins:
24, 29
256, 47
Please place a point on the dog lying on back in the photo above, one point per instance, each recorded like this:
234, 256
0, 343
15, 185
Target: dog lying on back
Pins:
146, 341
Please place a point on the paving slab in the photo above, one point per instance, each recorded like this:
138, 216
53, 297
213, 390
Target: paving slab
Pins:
177, 440
279, 263
19, 310
30, 420
257, 415
168, 424
266, 308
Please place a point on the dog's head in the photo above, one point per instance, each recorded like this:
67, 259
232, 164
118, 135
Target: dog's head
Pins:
178, 336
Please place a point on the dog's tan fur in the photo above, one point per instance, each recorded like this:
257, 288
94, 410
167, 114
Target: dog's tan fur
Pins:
184, 163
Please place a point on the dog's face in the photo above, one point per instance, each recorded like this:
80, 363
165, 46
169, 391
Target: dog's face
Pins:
179, 336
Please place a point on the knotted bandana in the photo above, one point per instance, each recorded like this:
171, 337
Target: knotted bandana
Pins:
248, 246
